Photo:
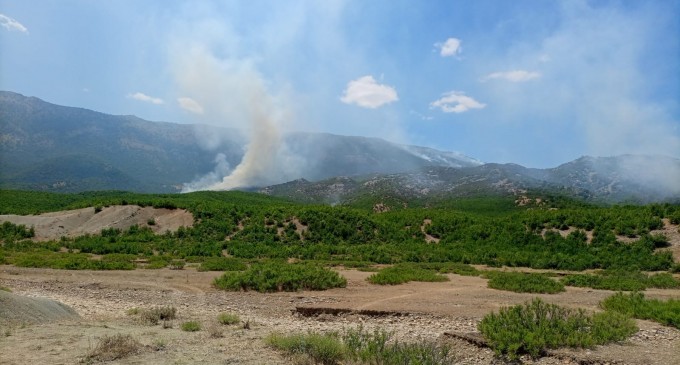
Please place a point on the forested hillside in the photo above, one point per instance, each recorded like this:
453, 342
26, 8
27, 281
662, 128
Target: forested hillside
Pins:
551, 233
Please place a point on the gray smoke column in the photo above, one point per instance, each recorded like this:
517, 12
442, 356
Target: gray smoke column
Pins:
231, 93
259, 160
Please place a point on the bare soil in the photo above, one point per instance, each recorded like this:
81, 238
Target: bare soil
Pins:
413, 311
73, 223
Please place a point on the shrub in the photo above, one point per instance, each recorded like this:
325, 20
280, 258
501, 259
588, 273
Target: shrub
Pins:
114, 347
228, 318
177, 264
622, 280
537, 326
459, 269
157, 262
357, 346
662, 281
69, 261
403, 273
279, 276
154, 315
191, 326
610, 326
322, 349
377, 348
222, 264
4, 288
636, 305
215, 331
523, 282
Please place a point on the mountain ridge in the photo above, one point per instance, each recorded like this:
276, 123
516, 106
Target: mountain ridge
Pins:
55, 148
165, 157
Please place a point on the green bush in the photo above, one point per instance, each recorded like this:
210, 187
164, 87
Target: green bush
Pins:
322, 349
622, 280
451, 267
357, 346
523, 282
10, 231
177, 264
280, 276
191, 326
222, 264
378, 348
403, 273
68, 261
610, 326
228, 318
536, 326
157, 262
662, 281
636, 305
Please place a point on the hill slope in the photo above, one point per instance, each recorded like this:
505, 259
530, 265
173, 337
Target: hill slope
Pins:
56, 148
632, 179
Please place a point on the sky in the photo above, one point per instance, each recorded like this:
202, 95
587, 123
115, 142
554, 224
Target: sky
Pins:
533, 82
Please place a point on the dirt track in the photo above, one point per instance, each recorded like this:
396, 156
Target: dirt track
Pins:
419, 311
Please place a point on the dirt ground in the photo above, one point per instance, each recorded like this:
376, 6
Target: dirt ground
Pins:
412, 311
73, 223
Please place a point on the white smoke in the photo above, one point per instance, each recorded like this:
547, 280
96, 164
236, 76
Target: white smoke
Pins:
659, 174
233, 94
222, 169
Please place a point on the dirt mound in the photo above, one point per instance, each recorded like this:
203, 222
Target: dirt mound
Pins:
72, 223
20, 309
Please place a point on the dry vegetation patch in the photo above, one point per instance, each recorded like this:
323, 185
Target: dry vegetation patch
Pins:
114, 347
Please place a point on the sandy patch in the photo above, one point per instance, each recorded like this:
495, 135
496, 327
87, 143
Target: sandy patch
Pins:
79, 222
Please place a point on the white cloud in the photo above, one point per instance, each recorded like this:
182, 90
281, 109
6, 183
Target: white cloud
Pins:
366, 92
449, 48
190, 105
513, 76
11, 24
456, 102
143, 97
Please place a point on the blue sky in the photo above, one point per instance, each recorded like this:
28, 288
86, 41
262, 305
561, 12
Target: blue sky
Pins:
537, 83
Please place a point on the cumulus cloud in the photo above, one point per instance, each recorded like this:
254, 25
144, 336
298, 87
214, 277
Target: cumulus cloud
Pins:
456, 102
145, 98
11, 24
367, 93
190, 104
449, 48
512, 76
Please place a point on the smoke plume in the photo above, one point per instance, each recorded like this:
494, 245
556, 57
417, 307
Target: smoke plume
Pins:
232, 94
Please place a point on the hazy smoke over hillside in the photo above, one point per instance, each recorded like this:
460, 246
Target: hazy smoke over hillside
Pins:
657, 173
231, 93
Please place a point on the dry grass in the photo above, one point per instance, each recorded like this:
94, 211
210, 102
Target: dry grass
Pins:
114, 347
154, 315
215, 331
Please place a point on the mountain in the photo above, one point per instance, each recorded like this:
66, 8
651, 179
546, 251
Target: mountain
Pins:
44, 146
64, 149
40, 142
628, 178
